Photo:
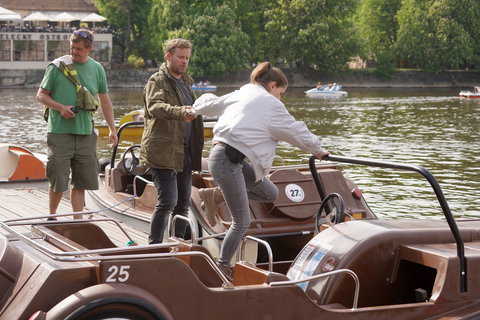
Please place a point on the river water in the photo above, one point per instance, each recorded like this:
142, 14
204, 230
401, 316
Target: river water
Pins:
429, 127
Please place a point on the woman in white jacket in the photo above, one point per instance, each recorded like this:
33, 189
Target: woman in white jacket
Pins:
251, 122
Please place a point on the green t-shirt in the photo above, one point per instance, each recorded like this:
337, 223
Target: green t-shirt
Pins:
92, 76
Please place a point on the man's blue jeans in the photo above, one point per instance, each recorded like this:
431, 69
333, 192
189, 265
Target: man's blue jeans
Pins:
173, 197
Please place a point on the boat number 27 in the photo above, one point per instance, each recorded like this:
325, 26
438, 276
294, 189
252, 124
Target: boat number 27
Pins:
118, 273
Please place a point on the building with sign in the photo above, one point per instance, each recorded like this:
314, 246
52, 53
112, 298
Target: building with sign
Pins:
33, 44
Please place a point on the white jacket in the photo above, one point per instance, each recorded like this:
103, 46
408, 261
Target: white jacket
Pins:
253, 121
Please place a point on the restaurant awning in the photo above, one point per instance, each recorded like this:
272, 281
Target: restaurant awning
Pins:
93, 17
8, 15
64, 17
37, 16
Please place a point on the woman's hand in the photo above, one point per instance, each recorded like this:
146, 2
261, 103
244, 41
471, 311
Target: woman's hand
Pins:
322, 154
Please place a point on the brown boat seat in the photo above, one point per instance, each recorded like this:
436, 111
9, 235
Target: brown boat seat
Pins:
298, 197
198, 264
68, 235
246, 273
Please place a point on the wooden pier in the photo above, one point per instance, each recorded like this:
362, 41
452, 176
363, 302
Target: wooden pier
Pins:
27, 202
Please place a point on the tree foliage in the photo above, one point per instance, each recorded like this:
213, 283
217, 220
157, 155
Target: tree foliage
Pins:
229, 35
436, 35
127, 19
377, 24
220, 45
314, 32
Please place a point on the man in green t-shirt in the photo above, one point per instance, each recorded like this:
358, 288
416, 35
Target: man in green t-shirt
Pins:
71, 139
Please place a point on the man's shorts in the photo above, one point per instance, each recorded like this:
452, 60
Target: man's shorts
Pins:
76, 152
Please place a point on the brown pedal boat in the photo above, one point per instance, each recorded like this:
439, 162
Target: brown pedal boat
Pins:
349, 269
127, 193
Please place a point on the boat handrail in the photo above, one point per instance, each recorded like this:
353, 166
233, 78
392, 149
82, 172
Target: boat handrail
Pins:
433, 183
192, 230
119, 133
27, 221
265, 244
323, 275
135, 185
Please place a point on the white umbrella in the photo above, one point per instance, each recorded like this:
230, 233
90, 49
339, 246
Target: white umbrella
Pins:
37, 16
9, 15
64, 17
93, 17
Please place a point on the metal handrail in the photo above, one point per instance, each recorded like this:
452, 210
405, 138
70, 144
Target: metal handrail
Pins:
135, 185
267, 246
323, 275
95, 255
119, 133
28, 220
436, 188
192, 230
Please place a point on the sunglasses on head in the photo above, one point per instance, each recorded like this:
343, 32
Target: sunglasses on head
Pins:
82, 34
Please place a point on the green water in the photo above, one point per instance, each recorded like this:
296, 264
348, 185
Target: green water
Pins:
429, 127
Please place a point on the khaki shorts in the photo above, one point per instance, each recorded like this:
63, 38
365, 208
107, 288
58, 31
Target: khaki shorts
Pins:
76, 152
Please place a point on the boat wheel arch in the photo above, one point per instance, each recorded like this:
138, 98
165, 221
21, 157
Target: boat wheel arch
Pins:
104, 301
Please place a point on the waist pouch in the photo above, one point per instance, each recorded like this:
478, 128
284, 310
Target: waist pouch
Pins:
233, 154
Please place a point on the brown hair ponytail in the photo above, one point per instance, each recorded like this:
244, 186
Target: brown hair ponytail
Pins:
264, 73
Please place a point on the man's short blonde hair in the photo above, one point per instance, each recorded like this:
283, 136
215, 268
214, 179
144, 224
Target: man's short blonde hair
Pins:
177, 43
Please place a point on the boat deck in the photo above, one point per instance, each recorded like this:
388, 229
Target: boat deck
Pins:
31, 202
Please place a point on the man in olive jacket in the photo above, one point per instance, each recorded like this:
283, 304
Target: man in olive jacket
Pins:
172, 140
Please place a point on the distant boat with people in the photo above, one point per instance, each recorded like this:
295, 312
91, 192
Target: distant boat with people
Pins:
328, 90
204, 86
470, 94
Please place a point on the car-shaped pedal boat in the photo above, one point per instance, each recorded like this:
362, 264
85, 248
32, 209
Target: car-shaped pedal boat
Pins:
127, 193
351, 269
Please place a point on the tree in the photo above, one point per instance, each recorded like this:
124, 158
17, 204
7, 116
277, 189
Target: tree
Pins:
377, 25
220, 45
434, 34
314, 32
127, 19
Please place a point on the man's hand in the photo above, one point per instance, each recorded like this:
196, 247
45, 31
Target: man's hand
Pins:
189, 116
67, 112
113, 139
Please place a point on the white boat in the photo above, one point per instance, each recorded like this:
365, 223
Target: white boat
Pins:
314, 92
470, 94
204, 87
21, 167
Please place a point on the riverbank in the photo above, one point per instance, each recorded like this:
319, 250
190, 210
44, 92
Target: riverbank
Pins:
299, 78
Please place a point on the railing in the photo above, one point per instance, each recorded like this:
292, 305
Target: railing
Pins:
265, 244
103, 254
323, 275
434, 184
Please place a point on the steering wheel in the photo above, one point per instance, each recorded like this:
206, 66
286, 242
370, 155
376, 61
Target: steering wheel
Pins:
131, 163
333, 217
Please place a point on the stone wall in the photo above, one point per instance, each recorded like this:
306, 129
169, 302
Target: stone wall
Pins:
136, 78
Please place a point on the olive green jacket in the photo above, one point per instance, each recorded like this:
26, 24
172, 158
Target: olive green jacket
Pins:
162, 139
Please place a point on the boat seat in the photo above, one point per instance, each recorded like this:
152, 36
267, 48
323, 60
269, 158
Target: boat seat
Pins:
198, 264
246, 273
298, 197
68, 235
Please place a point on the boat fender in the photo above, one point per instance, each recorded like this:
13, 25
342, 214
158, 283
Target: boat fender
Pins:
104, 162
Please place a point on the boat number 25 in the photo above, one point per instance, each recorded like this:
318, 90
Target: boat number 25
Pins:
118, 273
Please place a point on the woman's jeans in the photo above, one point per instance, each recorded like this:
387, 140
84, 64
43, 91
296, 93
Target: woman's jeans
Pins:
173, 197
237, 182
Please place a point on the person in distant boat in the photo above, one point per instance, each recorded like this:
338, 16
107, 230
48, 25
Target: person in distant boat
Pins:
319, 86
172, 139
69, 92
251, 122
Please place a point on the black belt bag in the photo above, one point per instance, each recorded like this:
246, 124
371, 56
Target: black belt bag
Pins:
233, 154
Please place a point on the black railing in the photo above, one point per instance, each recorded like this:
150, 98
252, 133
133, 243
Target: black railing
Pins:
430, 178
